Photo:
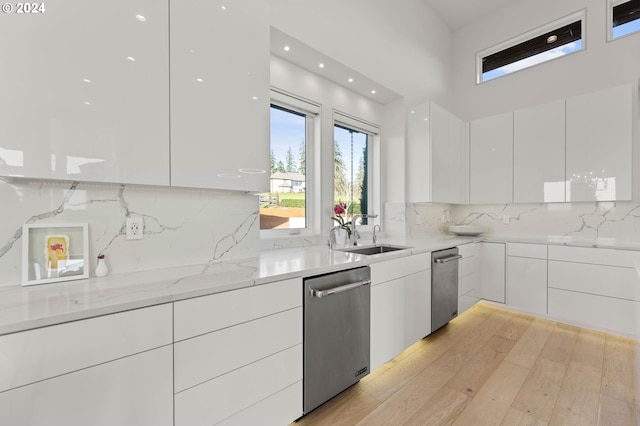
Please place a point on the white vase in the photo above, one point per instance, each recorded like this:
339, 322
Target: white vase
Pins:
101, 269
342, 237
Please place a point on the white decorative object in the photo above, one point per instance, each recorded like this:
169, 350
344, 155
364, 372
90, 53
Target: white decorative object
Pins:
102, 269
467, 230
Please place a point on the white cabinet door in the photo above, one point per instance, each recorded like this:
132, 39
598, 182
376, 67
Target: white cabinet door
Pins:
599, 145
449, 157
491, 160
220, 94
84, 92
387, 321
492, 259
468, 277
539, 154
417, 307
418, 158
135, 390
527, 284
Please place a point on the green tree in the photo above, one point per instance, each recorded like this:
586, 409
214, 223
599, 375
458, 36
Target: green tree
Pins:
291, 163
302, 153
281, 167
273, 162
340, 186
363, 179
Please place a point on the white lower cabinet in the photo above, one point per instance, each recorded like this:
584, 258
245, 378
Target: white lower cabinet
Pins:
241, 363
400, 305
114, 369
135, 390
492, 259
468, 277
595, 287
527, 277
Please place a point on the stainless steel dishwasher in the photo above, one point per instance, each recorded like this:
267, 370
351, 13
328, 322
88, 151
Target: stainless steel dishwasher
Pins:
444, 286
336, 333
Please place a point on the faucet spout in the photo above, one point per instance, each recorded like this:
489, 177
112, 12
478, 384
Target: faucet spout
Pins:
354, 232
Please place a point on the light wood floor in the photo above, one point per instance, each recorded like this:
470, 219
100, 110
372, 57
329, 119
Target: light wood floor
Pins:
495, 367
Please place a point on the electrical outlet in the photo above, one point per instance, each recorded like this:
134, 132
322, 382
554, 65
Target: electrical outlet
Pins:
506, 219
135, 228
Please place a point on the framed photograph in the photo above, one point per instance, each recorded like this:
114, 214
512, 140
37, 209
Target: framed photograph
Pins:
54, 252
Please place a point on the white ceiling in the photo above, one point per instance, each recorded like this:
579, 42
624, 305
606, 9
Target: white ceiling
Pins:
308, 58
458, 13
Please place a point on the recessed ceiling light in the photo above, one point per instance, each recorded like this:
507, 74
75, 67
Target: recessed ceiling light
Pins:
412, 112
131, 58
141, 18
223, 7
373, 92
86, 80
287, 48
350, 80
199, 80
87, 103
255, 98
552, 38
321, 65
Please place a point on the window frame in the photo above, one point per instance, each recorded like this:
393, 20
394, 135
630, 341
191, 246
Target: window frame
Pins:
580, 15
311, 111
372, 131
610, 5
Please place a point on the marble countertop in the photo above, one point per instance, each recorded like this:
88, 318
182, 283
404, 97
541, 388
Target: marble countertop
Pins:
23, 308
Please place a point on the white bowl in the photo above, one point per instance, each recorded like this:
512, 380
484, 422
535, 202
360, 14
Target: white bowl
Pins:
467, 230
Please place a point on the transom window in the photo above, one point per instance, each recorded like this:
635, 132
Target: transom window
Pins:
551, 41
624, 18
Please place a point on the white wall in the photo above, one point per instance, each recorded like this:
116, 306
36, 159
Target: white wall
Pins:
401, 44
603, 64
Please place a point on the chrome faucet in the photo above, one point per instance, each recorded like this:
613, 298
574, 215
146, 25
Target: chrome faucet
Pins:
375, 237
354, 232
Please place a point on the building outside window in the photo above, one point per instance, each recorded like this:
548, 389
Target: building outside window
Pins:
624, 18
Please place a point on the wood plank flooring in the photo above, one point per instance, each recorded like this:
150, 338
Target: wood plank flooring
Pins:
496, 367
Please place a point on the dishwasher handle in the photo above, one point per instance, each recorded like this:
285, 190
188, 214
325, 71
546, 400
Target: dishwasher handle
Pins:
448, 258
324, 293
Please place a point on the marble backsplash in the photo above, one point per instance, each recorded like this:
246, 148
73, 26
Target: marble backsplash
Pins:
181, 226
619, 221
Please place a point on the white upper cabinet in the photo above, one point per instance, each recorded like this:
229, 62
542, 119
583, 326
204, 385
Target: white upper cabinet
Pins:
599, 145
437, 156
84, 92
220, 94
491, 160
539, 154
450, 157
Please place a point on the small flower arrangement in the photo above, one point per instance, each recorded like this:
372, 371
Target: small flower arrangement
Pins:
340, 209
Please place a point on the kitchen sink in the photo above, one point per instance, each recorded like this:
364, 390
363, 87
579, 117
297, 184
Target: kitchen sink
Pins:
377, 249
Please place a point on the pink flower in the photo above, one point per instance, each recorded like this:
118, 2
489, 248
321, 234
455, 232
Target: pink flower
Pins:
340, 208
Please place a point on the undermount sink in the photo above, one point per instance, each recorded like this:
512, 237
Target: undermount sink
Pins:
377, 249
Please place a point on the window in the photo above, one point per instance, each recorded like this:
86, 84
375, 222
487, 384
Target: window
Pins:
352, 176
624, 18
551, 41
286, 207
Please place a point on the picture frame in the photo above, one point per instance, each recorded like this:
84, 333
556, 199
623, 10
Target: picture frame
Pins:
54, 252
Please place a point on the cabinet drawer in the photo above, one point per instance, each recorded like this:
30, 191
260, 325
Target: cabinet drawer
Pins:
134, 390
536, 251
227, 395
205, 357
604, 313
35, 355
611, 281
283, 408
397, 268
467, 266
597, 256
205, 314
467, 284
468, 250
